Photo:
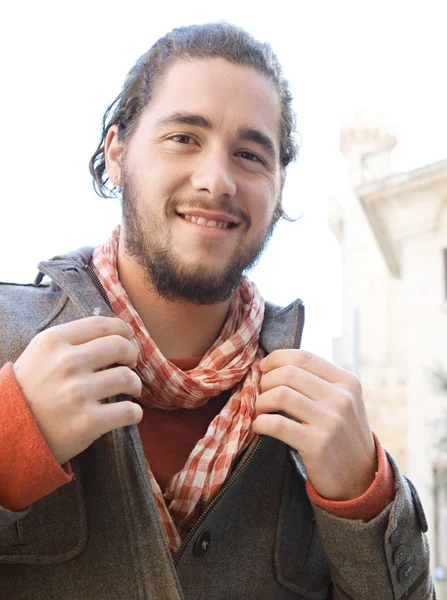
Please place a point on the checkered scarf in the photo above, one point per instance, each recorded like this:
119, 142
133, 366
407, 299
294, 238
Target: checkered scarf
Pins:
232, 362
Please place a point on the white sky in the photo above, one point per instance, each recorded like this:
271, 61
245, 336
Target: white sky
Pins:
62, 63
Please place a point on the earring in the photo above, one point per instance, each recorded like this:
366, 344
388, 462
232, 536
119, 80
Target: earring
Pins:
116, 190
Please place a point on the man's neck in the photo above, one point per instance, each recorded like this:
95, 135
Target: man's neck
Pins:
179, 329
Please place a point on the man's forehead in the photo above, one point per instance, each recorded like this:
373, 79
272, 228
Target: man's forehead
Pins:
215, 89
222, 69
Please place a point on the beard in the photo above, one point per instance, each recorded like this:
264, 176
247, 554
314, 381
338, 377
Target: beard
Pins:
148, 242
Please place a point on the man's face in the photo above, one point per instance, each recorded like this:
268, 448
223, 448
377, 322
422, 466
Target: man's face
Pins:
201, 179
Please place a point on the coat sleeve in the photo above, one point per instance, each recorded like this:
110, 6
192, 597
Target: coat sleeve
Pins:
28, 469
386, 558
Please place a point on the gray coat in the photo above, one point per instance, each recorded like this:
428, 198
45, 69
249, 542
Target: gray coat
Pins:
100, 537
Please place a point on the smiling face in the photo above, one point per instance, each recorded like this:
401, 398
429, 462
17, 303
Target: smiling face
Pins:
201, 178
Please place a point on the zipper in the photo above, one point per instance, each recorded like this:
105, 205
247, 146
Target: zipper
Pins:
231, 480
94, 277
300, 327
215, 500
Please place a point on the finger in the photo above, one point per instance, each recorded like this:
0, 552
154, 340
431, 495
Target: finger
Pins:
90, 328
304, 360
111, 382
107, 351
117, 414
282, 428
302, 381
286, 400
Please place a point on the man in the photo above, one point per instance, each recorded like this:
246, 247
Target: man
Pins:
163, 436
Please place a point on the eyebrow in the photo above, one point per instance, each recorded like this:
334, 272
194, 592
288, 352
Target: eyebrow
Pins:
186, 118
244, 133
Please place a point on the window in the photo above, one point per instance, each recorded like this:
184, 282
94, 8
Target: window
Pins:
445, 273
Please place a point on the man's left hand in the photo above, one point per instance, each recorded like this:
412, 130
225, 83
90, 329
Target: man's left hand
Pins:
328, 425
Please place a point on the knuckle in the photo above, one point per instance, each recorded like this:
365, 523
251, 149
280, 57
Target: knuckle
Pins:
131, 383
344, 402
129, 412
76, 392
70, 363
333, 431
355, 384
281, 396
124, 348
100, 325
325, 441
87, 424
290, 373
45, 341
336, 425
280, 426
276, 427
304, 357
132, 378
127, 376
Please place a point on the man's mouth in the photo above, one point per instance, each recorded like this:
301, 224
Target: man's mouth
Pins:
198, 220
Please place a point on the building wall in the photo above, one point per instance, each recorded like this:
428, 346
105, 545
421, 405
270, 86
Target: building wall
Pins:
402, 333
387, 411
402, 342
426, 342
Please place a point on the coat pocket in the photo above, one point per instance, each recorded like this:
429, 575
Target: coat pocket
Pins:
53, 531
301, 563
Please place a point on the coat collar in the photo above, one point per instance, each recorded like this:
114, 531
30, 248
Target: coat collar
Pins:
282, 327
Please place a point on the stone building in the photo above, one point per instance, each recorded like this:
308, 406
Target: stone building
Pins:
392, 232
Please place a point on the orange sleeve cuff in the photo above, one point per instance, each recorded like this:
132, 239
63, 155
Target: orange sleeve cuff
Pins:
28, 469
370, 504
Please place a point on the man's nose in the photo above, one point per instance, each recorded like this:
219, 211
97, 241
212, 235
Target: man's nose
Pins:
214, 175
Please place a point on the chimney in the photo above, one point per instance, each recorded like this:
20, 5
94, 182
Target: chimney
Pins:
367, 142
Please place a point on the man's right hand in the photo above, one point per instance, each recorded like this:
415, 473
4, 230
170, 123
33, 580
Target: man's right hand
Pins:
64, 376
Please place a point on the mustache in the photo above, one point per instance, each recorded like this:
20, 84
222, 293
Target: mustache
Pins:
222, 205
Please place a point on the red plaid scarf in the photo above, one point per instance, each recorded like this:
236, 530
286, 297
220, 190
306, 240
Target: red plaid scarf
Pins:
231, 362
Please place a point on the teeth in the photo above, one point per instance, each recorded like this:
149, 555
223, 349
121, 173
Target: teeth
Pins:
203, 221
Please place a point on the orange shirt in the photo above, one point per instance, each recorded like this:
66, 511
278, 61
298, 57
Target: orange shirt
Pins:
169, 436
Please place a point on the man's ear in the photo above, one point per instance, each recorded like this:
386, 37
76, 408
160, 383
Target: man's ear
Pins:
113, 153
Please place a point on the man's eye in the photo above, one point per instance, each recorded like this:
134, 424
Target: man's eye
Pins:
250, 156
182, 139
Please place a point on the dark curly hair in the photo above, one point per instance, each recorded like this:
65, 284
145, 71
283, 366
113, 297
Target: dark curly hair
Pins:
213, 40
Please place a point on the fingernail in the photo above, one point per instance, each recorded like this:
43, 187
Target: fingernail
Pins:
262, 364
